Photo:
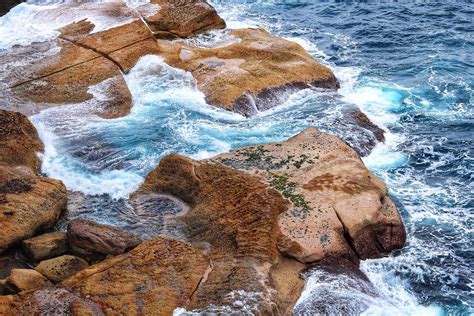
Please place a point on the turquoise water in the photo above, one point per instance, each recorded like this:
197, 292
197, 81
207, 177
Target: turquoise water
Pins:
409, 67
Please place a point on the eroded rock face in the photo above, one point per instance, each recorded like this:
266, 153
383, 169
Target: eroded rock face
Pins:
254, 73
19, 141
338, 208
180, 18
309, 198
28, 204
91, 240
97, 43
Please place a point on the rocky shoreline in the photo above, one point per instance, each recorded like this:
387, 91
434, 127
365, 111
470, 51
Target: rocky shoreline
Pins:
253, 219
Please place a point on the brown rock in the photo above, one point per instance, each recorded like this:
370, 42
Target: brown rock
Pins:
254, 73
19, 141
177, 18
339, 209
234, 216
161, 274
28, 204
60, 268
45, 302
45, 246
91, 240
26, 279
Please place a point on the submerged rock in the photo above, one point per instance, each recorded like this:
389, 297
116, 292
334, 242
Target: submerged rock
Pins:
45, 246
91, 240
255, 73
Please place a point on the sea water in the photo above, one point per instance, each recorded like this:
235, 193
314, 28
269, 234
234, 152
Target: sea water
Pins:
408, 66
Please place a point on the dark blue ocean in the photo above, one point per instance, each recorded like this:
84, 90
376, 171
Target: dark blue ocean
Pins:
408, 65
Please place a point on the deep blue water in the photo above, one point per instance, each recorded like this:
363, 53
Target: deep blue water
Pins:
409, 66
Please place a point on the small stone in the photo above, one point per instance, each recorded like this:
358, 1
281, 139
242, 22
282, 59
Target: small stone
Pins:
61, 268
26, 279
45, 246
95, 241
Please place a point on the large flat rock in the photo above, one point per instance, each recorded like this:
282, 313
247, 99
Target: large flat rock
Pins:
254, 73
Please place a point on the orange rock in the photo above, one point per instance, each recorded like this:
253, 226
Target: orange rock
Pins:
339, 209
178, 18
28, 204
26, 279
155, 278
254, 73
19, 141
60, 268
45, 246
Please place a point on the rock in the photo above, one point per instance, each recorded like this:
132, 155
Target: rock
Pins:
45, 246
19, 141
28, 204
263, 213
154, 278
234, 217
338, 208
12, 259
44, 302
60, 268
255, 72
26, 279
177, 18
162, 274
91, 240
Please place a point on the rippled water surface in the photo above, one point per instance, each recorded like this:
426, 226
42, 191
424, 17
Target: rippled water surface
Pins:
409, 66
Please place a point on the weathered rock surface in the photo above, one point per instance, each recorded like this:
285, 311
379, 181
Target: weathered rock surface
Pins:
91, 240
26, 279
89, 57
234, 217
45, 246
256, 72
28, 204
309, 199
19, 141
338, 208
153, 279
61, 268
178, 18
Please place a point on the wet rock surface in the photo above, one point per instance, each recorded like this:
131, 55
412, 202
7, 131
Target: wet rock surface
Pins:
256, 72
26, 279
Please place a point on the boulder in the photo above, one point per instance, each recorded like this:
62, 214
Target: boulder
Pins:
19, 141
338, 207
94, 241
45, 246
234, 217
26, 279
255, 72
263, 213
28, 204
60, 268
178, 18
